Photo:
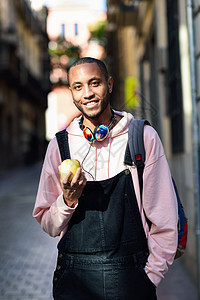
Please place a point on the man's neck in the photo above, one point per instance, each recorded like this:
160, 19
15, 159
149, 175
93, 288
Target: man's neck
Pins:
104, 118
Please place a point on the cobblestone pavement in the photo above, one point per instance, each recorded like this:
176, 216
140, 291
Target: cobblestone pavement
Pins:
28, 255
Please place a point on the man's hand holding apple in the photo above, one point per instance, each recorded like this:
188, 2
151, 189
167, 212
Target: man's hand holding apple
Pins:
73, 181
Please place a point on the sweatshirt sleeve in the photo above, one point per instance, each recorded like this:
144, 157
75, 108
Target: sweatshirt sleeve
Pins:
50, 209
160, 206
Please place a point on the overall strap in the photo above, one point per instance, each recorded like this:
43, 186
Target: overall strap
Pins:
62, 140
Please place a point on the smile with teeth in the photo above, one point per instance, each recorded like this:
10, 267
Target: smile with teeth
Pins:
91, 104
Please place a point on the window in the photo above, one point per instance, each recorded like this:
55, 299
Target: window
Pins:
63, 31
150, 106
76, 29
175, 101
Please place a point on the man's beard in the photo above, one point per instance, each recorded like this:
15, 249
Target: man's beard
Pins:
105, 103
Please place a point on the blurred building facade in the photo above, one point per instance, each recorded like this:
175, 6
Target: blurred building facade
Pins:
151, 42
69, 20
24, 82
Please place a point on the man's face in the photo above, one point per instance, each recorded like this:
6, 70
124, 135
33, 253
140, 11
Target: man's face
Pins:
89, 88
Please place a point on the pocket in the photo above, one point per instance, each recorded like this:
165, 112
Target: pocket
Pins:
61, 269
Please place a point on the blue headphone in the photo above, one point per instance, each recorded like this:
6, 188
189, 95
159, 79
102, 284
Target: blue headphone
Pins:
100, 132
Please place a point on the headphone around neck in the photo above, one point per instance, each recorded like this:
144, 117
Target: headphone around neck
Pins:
100, 132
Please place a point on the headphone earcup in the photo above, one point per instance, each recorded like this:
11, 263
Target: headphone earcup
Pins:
101, 132
88, 134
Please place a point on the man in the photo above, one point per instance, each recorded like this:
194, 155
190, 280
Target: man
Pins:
106, 249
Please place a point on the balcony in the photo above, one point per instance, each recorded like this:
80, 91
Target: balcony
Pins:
124, 12
14, 71
37, 24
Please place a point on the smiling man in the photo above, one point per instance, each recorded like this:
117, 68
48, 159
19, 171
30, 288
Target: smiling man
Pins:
106, 249
91, 88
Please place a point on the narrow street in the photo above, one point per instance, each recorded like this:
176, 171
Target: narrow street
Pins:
28, 255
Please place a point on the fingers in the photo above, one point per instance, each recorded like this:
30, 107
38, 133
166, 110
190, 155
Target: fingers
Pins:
76, 177
66, 180
73, 190
78, 180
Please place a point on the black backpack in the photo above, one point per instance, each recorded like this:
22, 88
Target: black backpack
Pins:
135, 152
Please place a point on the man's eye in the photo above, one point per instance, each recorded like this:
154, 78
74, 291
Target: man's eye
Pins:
77, 87
95, 83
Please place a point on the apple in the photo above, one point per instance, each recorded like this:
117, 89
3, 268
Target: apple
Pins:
68, 165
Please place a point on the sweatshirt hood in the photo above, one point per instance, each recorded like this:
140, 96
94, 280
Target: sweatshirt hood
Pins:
120, 128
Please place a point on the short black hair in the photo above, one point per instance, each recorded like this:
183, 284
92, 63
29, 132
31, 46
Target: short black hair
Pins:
91, 60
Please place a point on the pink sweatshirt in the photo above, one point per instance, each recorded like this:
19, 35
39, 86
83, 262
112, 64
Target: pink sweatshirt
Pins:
105, 160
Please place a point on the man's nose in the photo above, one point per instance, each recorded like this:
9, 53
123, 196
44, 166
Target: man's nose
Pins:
88, 92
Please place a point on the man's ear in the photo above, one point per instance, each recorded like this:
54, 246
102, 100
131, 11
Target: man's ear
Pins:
110, 84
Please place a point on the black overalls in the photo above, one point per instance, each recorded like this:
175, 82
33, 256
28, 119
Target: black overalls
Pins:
103, 253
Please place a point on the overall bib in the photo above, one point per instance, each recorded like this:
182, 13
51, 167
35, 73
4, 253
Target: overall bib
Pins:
103, 253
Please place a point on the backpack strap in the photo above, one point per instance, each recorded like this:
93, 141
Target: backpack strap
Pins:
135, 151
62, 140
136, 140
